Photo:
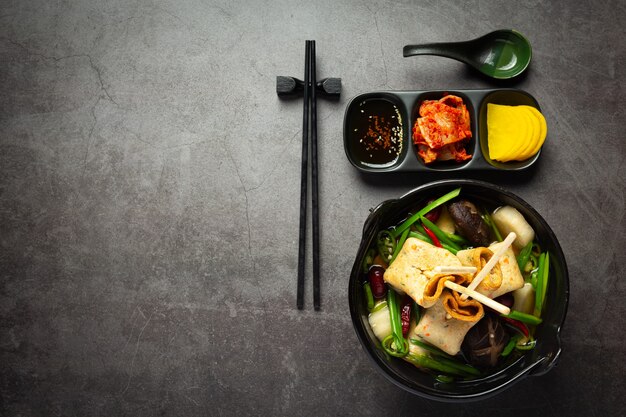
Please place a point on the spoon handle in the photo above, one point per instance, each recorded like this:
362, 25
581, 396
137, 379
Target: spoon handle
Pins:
452, 50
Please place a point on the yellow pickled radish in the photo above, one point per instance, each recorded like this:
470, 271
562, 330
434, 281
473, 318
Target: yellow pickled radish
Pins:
504, 131
498, 123
543, 131
496, 129
531, 131
527, 149
515, 133
516, 138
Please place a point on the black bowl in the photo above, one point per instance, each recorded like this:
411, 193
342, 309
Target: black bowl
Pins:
536, 362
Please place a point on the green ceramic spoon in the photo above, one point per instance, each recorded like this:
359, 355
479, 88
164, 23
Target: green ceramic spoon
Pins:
501, 54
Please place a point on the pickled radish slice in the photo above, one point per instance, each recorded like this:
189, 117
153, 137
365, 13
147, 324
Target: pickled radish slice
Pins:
515, 133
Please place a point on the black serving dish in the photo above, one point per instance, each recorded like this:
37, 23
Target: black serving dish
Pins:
535, 362
408, 103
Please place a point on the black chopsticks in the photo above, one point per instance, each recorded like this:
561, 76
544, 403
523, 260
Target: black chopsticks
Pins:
304, 175
314, 193
329, 88
309, 130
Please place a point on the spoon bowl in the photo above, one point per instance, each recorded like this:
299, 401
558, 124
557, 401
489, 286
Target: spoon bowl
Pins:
501, 54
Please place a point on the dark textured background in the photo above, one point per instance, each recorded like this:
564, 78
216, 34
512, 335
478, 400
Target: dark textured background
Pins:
149, 188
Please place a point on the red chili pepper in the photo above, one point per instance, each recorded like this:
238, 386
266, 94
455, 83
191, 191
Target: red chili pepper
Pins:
434, 214
432, 236
517, 324
405, 314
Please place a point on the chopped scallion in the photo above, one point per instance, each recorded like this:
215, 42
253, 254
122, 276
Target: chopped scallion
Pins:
441, 235
369, 297
441, 200
523, 317
399, 245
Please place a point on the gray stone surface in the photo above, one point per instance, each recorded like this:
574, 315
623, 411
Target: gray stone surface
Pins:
149, 188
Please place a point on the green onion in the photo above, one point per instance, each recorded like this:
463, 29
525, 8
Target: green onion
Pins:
445, 358
402, 347
533, 279
468, 369
459, 240
368, 260
529, 345
542, 285
430, 348
539, 286
394, 313
536, 274
444, 379
487, 218
386, 244
398, 352
449, 248
379, 306
524, 255
510, 346
441, 235
399, 245
368, 296
424, 361
441, 200
523, 317
416, 312
534, 261
420, 236
536, 249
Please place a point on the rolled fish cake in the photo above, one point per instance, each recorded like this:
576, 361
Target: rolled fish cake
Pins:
460, 309
478, 258
510, 278
412, 273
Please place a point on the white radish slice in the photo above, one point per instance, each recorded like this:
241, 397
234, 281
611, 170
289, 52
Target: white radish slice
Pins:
524, 299
508, 219
380, 323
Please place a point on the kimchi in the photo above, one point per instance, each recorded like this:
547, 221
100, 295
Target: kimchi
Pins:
443, 130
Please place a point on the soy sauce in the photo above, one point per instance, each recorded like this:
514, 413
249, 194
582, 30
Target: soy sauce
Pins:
376, 134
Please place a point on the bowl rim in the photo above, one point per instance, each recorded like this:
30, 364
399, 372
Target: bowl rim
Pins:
528, 370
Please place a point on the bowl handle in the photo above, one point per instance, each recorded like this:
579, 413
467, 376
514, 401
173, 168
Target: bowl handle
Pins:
548, 362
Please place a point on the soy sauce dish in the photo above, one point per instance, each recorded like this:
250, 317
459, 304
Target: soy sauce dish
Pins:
413, 325
443, 130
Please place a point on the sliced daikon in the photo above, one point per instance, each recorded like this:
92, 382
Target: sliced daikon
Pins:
524, 299
508, 220
380, 323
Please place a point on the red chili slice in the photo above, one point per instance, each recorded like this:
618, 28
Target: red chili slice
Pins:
432, 236
518, 325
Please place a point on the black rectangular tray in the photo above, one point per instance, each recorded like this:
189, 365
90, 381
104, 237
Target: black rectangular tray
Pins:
408, 103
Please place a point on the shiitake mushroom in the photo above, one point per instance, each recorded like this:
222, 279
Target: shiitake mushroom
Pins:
485, 341
469, 223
